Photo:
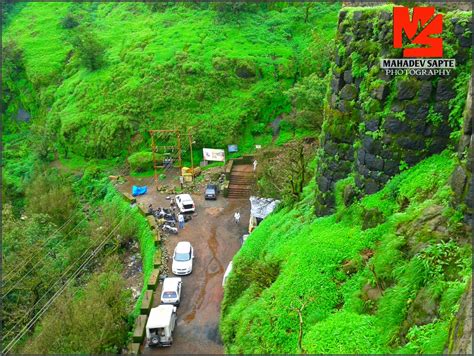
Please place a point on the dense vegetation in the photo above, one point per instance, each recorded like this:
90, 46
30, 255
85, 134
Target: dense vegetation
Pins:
96, 77
383, 275
83, 82
67, 219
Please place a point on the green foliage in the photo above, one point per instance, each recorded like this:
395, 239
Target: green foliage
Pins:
308, 98
359, 69
341, 318
434, 117
51, 194
51, 197
141, 161
457, 104
69, 21
168, 65
135, 227
88, 48
93, 322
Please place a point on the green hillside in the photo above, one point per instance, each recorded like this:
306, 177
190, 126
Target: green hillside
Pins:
98, 76
369, 251
375, 277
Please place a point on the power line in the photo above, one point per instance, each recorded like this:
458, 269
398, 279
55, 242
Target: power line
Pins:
57, 281
46, 241
56, 295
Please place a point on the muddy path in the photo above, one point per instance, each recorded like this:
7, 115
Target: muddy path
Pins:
215, 238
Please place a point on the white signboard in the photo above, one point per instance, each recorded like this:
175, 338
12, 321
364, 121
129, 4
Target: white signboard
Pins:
211, 154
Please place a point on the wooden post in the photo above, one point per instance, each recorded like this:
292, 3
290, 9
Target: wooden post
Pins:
153, 149
191, 149
179, 149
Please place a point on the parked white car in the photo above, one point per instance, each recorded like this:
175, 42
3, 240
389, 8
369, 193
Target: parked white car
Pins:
160, 325
226, 273
171, 291
183, 259
185, 203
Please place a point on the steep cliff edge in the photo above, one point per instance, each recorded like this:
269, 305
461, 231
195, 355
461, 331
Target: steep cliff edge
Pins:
377, 125
460, 332
387, 268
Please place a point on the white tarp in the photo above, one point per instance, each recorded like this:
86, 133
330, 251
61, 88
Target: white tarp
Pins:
261, 207
212, 154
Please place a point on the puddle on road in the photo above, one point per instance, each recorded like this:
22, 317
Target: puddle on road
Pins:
213, 268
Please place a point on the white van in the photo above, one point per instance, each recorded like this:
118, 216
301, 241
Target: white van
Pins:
171, 291
160, 326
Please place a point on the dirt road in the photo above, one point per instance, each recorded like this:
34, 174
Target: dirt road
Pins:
215, 238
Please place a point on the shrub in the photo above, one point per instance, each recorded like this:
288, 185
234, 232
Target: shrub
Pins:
50, 194
88, 48
140, 161
69, 21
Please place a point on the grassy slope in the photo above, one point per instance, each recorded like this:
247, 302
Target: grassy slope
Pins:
311, 252
161, 70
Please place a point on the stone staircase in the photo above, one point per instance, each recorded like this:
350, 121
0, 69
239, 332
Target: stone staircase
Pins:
241, 181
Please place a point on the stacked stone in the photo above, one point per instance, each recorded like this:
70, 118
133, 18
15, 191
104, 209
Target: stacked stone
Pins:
461, 179
373, 134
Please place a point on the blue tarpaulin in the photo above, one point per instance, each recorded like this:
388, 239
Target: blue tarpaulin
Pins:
138, 190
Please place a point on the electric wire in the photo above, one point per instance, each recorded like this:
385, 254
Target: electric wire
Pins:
4, 295
46, 306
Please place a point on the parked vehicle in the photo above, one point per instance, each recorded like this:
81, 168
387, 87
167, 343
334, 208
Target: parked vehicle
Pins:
171, 291
226, 273
185, 203
160, 326
211, 192
183, 259
170, 229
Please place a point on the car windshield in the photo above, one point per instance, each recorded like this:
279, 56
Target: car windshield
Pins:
187, 206
182, 256
169, 295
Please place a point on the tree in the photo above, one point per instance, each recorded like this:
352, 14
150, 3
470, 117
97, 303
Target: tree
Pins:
94, 323
307, 98
51, 194
284, 173
88, 48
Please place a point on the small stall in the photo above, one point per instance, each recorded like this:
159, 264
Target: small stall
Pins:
260, 208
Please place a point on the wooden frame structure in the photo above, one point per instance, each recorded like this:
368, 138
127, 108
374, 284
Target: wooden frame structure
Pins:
154, 148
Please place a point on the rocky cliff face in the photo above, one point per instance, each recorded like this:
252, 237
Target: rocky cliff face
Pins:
460, 331
376, 124
461, 180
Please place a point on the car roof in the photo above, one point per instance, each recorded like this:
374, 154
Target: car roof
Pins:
183, 247
184, 197
171, 284
160, 316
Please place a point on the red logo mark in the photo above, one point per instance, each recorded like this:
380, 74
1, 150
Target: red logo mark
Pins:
420, 21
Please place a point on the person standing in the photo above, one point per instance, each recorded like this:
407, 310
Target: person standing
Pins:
254, 165
237, 217
181, 181
181, 221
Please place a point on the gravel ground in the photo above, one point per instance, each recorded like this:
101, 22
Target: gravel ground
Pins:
215, 238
